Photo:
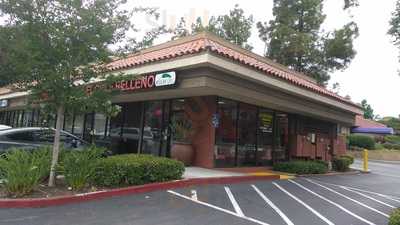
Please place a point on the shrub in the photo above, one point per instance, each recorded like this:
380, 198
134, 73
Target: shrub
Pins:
379, 146
361, 141
349, 157
394, 218
341, 164
24, 170
79, 167
133, 169
393, 139
391, 146
302, 167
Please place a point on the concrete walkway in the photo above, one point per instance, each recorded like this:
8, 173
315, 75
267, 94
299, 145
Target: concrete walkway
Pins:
198, 172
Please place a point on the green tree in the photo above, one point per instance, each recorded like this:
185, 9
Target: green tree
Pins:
234, 27
394, 29
294, 38
367, 109
56, 48
392, 122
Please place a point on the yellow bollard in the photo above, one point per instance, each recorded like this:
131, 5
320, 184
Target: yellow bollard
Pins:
365, 153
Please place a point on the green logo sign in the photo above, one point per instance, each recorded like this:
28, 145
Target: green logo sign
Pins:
164, 79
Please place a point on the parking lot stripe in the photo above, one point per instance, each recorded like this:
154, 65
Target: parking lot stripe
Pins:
393, 198
234, 202
369, 197
273, 206
333, 203
304, 204
348, 198
194, 194
217, 208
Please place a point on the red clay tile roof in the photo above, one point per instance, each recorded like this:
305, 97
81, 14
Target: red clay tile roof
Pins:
203, 43
364, 123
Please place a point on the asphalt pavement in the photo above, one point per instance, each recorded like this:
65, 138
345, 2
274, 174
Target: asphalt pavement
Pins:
341, 199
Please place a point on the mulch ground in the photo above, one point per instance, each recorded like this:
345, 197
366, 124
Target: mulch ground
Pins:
44, 191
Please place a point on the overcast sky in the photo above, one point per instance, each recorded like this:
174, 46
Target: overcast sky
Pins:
372, 75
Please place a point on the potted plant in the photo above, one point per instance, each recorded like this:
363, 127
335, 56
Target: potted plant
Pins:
182, 148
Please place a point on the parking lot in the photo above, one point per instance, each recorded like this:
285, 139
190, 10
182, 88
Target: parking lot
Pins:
338, 200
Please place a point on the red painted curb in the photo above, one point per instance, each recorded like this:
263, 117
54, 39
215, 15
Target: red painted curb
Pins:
44, 202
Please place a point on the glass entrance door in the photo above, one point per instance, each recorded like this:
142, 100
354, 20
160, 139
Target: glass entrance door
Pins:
247, 135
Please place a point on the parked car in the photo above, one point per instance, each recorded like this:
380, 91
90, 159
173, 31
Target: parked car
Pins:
4, 127
34, 137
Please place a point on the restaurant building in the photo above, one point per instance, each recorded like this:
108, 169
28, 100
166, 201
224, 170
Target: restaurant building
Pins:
235, 108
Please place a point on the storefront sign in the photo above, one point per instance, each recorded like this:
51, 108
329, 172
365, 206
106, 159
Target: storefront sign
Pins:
265, 125
3, 103
147, 82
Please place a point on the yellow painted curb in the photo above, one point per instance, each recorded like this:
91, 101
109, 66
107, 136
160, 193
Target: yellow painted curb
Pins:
282, 176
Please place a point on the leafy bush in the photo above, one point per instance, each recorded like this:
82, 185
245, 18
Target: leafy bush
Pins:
79, 167
391, 146
393, 139
133, 169
349, 157
394, 217
302, 167
379, 146
342, 164
23, 170
361, 141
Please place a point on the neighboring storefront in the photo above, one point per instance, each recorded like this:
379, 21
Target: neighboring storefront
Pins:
234, 107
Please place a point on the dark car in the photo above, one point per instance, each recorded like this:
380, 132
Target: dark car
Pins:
33, 137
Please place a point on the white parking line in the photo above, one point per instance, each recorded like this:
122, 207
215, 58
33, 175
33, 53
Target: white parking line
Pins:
369, 197
234, 202
393, 198
273, 206
305, 205
348, 198
217, 208
333, 203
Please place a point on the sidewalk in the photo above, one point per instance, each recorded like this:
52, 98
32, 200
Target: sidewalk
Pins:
198, 172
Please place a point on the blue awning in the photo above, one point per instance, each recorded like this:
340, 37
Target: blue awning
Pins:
373, 130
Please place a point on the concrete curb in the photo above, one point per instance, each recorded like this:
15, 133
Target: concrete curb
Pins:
53, 201
330, 174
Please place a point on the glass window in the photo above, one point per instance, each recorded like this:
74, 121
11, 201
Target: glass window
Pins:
78, 125
99, 128
68, 122
35, 118
152, 128
265, 137
27, 119
88, 127
226, 133
131, 128
281, 136
247, 129
16, 119
124, 129
2, 117
115, 131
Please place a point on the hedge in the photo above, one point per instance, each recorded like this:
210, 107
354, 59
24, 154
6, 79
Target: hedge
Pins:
394, 218
302, 167
393, 139
361, 141
133, 169
391, 146
342, 164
